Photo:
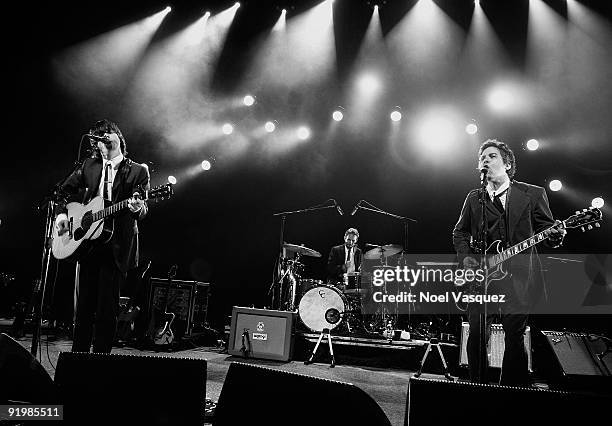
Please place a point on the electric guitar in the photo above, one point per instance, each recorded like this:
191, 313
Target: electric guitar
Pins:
163, 335
585, 219
94, 221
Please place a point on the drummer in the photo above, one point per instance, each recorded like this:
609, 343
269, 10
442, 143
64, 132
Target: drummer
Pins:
345, 258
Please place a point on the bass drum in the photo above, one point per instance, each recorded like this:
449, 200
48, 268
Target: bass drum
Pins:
322, 307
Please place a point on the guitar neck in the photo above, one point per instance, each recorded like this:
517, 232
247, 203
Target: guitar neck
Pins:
110, 210
498, 258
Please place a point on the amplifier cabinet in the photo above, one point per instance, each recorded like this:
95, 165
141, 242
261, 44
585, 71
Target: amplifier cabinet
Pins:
261, 333
188, 300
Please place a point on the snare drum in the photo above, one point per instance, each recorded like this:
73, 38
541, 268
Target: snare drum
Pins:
322, 307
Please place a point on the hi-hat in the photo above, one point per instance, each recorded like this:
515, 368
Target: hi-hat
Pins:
301, 250
382, 251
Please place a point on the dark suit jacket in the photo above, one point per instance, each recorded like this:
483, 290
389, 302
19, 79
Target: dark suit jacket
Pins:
528, 213
83, 185
336, 260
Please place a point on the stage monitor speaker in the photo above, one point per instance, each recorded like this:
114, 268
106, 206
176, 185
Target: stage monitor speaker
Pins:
495, 347
261, 333
254, 395
22, 378
131, 389
440, 402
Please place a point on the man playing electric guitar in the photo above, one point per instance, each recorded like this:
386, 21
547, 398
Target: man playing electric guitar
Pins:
115, 177
515, 211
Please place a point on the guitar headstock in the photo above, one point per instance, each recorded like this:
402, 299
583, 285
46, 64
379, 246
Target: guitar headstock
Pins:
585, 218
160, 192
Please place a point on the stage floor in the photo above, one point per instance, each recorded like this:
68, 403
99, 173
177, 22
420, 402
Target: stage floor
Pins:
387, 386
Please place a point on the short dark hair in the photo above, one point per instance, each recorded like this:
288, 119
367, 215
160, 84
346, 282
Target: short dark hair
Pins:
504, 150
351, 231
106, 126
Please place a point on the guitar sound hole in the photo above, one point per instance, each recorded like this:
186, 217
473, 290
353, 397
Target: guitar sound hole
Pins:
86, 221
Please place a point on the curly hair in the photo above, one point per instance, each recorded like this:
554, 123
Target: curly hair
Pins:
103, 126
505, 151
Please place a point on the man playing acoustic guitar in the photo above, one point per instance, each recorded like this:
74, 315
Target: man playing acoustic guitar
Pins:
515, 211
110, 174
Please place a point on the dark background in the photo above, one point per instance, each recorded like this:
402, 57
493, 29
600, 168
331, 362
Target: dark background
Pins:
219, 227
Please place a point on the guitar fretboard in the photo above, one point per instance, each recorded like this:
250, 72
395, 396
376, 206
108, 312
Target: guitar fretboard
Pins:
498, 258
101, 214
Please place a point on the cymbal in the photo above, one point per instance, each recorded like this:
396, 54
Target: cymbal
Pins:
302, 250
384, 251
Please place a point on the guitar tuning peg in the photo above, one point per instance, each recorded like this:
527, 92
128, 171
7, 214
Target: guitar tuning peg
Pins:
597, 225
584, 210
589, 227
582, 228
577, 211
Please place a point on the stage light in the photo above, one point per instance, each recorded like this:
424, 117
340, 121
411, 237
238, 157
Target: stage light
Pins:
303, 133
206, 165
227, 129
597, 202
172, 180
532, 144
369, 84
168, 9
248, 100
270, 127
237, 5
555, 185
337, 115
471, 129
396, 115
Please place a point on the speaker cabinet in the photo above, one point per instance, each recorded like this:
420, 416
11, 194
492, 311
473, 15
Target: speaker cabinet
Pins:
439, 402
188, 300
261, 333
129, 389
253, 395
22, 378
495, 347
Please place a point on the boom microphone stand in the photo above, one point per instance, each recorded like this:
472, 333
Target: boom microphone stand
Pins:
365, 205
482, 320
325, 205
49, 203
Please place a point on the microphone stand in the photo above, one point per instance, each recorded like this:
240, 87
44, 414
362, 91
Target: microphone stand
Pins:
482, 320
49, 203
372, 208
283, 216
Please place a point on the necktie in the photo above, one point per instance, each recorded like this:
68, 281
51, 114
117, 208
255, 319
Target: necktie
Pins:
107, 185
497, 201
348, 255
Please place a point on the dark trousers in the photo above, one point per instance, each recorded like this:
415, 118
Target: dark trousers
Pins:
97, 305
514, 322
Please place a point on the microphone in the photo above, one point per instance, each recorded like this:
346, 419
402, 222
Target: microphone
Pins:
356, 207
96, 138
483, 173
338, 208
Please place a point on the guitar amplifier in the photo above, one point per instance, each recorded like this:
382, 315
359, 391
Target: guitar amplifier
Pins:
495, 347
188, 300
261, 333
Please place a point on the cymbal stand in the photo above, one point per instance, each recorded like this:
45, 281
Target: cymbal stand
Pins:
283, 215
331, 348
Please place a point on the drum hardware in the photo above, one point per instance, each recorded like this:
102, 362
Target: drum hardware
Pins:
381, 252
331, 348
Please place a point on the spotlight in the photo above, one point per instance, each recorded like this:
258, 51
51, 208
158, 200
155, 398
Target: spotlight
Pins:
532, 144
270, 126
303, 133
337, 115
471, 129
237, 5
227, 129
172, 180
248, 100
597, 202
206, 165
555, 185
396, 115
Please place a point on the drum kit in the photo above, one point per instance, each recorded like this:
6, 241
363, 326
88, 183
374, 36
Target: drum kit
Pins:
326, 306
